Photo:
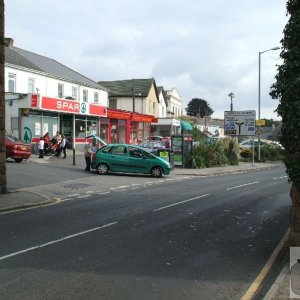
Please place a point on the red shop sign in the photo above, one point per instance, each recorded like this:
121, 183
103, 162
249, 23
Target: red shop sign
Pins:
34, 100
72, 106
60, 105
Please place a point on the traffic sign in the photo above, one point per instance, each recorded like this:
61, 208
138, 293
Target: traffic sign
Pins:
239, 122
260, 122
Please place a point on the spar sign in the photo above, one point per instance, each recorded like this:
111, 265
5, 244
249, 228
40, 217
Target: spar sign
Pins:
71, 106
239, 122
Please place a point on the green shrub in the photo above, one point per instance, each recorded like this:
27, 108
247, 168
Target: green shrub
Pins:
246, 154
209, 155
231, 148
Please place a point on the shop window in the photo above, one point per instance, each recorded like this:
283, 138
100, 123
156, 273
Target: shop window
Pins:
104, 132
114, 134
11, 83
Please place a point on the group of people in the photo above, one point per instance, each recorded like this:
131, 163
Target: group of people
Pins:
56, 145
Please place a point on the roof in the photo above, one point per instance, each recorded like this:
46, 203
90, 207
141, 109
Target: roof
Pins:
32, 61
124, 88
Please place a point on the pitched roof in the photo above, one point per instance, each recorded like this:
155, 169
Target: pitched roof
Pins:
124, 88
29, 60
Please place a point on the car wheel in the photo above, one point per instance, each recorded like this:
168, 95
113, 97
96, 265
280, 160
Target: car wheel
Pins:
156, 172
18, 160
102, 169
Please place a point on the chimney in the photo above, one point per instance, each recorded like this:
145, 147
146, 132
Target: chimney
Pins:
8, 42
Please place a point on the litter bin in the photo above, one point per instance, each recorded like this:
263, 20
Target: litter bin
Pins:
166, 154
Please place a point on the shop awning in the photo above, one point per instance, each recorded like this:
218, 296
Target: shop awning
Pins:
186, 126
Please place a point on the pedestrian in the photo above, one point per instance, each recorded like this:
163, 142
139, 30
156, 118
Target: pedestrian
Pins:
47, 143
41, 147
63, 146
58, 139
88, 151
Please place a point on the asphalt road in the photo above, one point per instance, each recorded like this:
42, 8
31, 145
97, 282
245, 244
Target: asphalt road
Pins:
187, 238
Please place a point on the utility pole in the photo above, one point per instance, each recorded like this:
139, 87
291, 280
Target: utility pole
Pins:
133, 96
3, 183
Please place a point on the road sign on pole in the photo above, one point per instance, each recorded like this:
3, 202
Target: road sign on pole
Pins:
239, 122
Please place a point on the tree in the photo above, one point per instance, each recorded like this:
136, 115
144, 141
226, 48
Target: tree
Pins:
287, 89
198, 107
3, 184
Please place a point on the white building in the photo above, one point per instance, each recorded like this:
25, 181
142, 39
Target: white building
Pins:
174, 103
42, 95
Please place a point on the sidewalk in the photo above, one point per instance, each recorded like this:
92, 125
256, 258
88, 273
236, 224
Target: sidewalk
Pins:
22, 199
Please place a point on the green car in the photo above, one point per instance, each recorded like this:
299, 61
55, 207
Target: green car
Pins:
128, 159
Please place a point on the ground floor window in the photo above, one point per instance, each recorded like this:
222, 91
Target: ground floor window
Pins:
85, 126
37, 123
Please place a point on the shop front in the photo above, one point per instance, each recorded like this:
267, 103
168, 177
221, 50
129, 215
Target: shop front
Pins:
125, 127
31, 117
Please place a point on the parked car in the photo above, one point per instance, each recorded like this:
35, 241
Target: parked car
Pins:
152, 146
166, 140
129, 159
155, 138
16, 148
247, 144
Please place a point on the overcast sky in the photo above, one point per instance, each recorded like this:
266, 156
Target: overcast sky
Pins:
205, 49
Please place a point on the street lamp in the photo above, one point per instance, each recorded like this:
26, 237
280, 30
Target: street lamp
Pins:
259, 54
231, 95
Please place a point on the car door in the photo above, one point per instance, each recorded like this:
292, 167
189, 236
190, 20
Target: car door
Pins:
119, 159
139, 162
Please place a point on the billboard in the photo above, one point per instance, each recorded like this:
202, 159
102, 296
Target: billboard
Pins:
239, 122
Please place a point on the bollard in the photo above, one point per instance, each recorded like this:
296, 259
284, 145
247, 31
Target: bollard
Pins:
74, 163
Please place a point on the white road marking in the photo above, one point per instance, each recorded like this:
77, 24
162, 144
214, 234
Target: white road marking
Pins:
103, 193
56, 241
67, 199
83, 196
178, 203
73, 195
242, 185
275, 178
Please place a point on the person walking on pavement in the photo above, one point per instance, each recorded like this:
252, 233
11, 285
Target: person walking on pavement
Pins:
88, 151
58, 138
63, 146
41, 147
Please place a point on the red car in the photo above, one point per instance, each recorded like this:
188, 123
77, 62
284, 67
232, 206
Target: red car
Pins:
16, 149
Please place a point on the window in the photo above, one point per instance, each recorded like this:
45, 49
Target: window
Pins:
119, 150
96, 97
11, 82
60, 90
113, 103
74, 92
31, 85
154, 107
85, 95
